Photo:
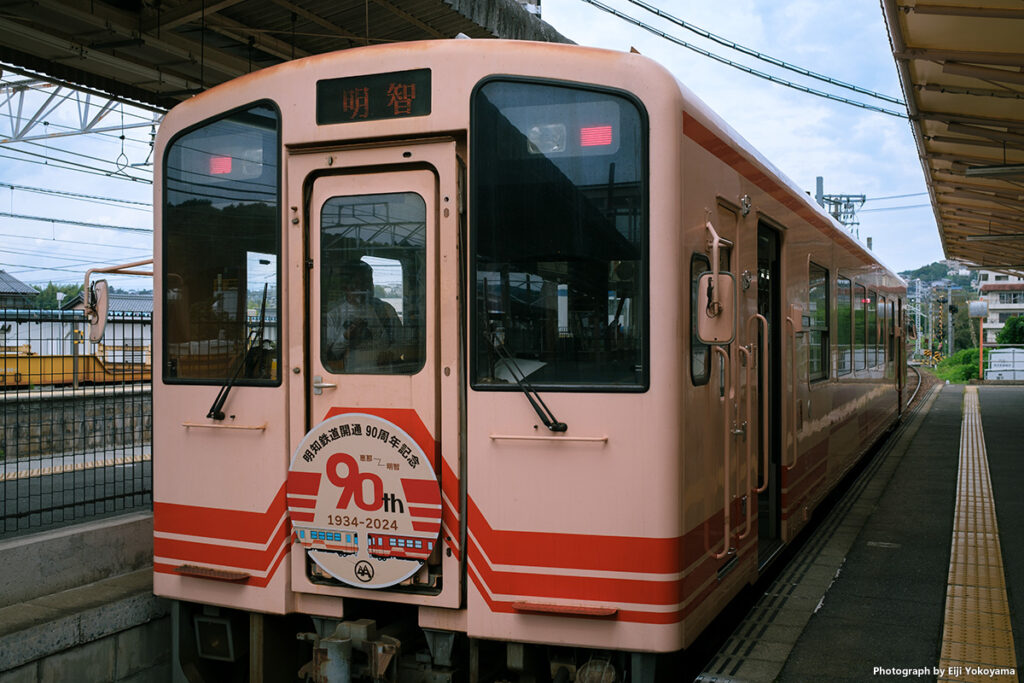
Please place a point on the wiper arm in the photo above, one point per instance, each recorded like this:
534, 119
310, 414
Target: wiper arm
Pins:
545, 414
255, 337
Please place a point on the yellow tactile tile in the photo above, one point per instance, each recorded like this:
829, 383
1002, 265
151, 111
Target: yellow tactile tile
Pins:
977, 636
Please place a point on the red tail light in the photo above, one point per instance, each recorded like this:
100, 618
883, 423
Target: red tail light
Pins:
220, 165
595, 136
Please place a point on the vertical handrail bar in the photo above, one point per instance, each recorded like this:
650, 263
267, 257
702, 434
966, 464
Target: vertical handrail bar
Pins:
727, 443
747, 435
792, 381
763, 323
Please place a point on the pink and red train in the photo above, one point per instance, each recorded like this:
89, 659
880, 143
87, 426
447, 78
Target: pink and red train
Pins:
444, 302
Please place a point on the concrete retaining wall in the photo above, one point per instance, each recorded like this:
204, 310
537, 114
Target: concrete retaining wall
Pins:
44, 422
77, 604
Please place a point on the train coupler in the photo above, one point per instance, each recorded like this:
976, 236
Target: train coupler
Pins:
334, 655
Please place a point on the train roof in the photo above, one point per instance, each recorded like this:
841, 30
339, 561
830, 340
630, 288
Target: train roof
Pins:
807, 207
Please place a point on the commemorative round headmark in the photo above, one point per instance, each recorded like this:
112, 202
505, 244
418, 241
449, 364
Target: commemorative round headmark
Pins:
364, 500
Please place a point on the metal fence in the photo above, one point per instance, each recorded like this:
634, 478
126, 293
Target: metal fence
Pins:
75, 418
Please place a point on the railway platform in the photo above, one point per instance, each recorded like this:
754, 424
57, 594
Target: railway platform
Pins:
917, 571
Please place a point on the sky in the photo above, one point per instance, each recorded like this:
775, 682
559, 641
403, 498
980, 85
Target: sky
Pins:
92, 179
856, 151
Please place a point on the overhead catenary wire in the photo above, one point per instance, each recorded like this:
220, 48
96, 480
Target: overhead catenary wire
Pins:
762, 56
66, 165
896, 196
896, 208
129, 203
83, 224
737, 65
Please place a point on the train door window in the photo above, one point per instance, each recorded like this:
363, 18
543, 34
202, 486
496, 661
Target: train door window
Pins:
221, 251
559, 238
816, 323
843, 327
700, 353
373, 283
871, 343
860, 327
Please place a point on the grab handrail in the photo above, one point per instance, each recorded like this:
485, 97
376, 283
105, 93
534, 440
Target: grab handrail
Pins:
792, 380
727, 443
747, 435
762, 443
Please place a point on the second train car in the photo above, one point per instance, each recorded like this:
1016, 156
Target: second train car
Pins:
557, 363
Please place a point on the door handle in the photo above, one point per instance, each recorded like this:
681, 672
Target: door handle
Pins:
319, 385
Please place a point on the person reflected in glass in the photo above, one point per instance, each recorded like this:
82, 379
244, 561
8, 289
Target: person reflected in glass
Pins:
362, 331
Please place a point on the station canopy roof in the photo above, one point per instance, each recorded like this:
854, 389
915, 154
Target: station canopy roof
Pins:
961, 64
158, 52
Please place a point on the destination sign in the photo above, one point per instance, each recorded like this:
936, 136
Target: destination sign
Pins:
395, 95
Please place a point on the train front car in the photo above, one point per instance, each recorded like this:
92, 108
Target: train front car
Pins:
425, 332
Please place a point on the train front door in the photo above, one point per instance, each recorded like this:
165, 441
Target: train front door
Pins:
381, 389
769, 501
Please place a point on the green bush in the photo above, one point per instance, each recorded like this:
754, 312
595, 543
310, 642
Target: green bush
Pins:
959, 368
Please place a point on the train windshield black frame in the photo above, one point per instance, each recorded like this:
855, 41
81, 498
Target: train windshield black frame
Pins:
559, 237
222, 251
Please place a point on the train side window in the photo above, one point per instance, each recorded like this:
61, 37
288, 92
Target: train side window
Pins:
700, 353
817, 323
859, 327
843, 327
872, 324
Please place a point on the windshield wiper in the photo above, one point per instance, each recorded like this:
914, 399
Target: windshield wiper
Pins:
545, 414
253, 339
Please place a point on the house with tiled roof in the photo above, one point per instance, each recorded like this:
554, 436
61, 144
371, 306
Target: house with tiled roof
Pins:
117, 303
14, 293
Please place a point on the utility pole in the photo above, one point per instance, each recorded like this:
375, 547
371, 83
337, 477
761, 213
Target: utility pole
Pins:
843, 207
949, 327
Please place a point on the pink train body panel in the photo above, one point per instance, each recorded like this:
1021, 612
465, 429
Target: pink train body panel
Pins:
630, 529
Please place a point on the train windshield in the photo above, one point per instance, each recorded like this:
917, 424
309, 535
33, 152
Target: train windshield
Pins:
559, 238
221, 251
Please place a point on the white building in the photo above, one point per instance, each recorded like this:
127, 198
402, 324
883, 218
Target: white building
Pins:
1005, 296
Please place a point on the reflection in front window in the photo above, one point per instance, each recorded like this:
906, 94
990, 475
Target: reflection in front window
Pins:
221, 251
373, 283
559, 239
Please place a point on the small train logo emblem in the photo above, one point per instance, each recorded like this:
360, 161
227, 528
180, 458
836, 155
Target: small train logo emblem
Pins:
364, 500
364, 571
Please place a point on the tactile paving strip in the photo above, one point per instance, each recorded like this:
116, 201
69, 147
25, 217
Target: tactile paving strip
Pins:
977, 638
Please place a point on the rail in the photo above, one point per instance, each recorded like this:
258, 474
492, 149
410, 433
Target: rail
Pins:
917, 388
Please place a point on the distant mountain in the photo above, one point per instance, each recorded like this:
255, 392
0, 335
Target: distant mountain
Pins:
935, 271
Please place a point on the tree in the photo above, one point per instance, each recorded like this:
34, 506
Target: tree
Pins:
1012, 332
47, 297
